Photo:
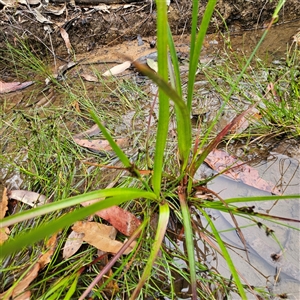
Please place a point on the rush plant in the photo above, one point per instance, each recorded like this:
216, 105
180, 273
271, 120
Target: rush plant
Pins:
153, 187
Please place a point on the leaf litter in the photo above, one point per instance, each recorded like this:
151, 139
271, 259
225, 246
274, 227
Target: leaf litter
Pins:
100, 236
222, 162
4, 232
30, 198
8, 87
97, 144
18, 292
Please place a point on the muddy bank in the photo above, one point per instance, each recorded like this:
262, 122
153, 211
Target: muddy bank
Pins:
91, 25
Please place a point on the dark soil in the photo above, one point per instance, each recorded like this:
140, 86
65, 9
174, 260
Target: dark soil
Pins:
89, 28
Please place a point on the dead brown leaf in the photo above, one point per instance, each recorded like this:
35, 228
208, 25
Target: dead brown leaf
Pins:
99, 145
220, 160
100, 236
25, 282
46, 257
96, 145
66, 39
55, 10
117, 69
8, 87
3, 204
122, 220
4, 232
19, 293
88, 133
88, 77
73, 243
28, 197
24, 296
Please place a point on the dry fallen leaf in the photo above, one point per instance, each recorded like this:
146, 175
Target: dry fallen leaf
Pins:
99, 145
117, 69
19, 293
25, 282
55, 10
66, 39
121, 219
94, 130
100, 236
28, 197
4, 232
96, 145
220, 160
102, 7
46, 257
88, 77
296, 38
39, 17
7, 87
73, 243
3, 204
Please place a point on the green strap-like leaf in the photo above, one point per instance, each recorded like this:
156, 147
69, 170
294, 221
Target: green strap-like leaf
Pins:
39, 233
164, 213
131, 193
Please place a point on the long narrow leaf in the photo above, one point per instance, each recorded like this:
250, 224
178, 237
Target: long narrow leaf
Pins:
196, 46
189, 240
259, 198
174, 62
226, 255
181, 109
195, 10
37, 234
232, 90
184, 141
122, 156
130, 193
163, 114
164, 213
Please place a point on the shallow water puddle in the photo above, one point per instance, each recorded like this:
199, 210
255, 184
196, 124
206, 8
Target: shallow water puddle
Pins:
275, 264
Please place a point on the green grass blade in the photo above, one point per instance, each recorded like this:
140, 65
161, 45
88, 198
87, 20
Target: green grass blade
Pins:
37, 234
122, 156
195, 10
175, 63
189, 241
163, 114
184, 141
226, 255
203, 155
196, 45
131, 193
54, 290
259, 198
277, 10
164, 213
72, 288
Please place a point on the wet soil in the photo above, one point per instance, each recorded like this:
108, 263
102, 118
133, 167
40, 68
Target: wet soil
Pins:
91, 25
